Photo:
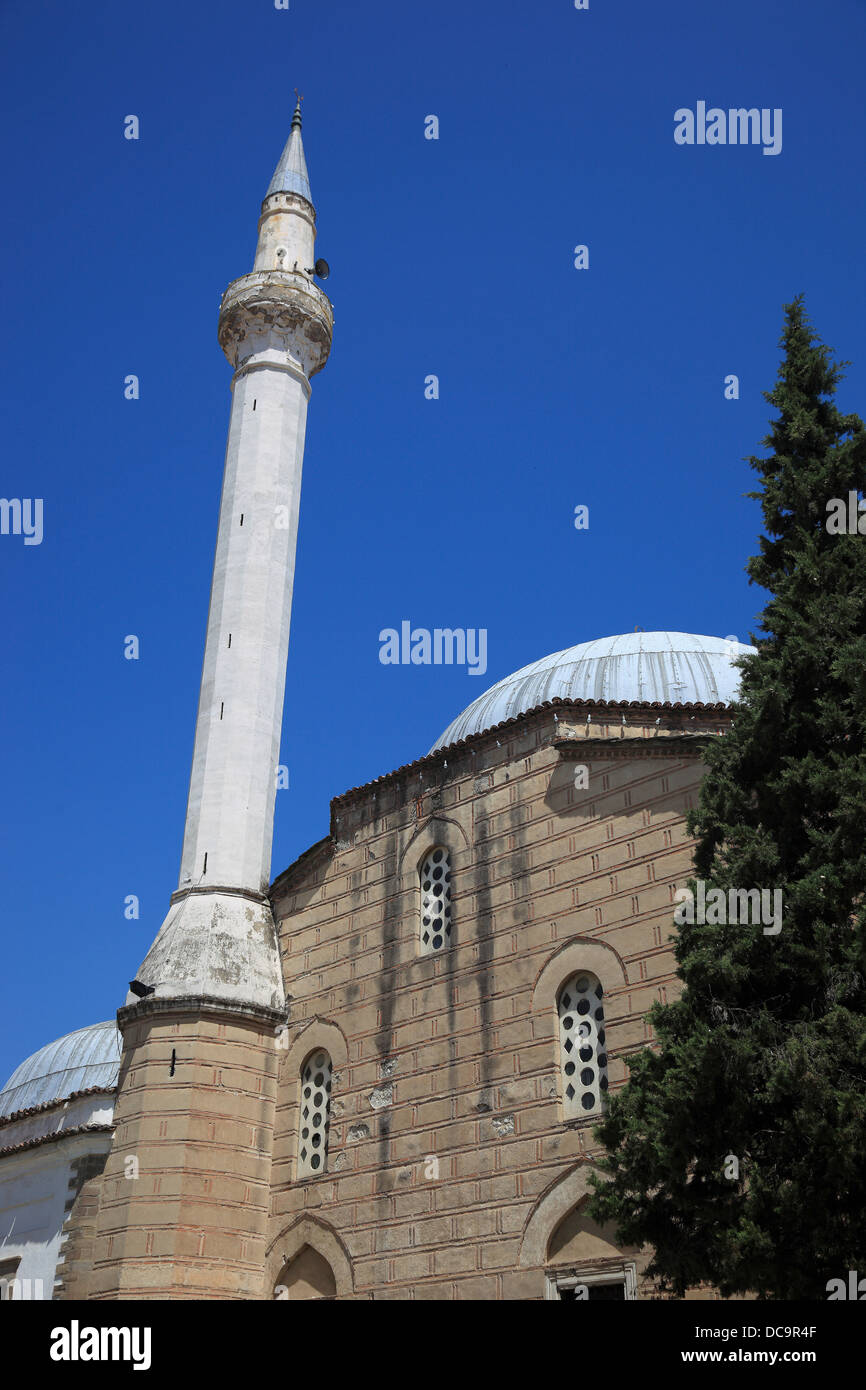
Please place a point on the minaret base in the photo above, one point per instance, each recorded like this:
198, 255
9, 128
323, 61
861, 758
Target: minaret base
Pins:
219, 943
183, 1210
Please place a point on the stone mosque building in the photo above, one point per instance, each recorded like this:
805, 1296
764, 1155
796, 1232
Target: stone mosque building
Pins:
376, 1076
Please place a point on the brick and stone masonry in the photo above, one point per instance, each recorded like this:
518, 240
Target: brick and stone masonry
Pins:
451, 1171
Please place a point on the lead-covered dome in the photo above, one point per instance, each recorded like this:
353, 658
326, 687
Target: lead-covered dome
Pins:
663, 667
88, 1057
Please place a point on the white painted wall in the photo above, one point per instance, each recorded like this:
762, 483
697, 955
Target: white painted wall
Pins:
34, 1188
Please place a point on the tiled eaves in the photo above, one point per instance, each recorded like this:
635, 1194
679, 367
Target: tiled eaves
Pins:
441, 754
55, 1104
55, 1137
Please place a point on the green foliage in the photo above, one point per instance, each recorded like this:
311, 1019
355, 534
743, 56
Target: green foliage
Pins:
764, 1054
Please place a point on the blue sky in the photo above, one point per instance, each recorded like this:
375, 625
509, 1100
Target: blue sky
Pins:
558, 387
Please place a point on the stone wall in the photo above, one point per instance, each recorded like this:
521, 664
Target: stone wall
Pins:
450, 1164
183, 1204
75, 1265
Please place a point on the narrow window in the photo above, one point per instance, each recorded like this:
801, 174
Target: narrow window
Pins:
435, 885
314, 1119
582, 1041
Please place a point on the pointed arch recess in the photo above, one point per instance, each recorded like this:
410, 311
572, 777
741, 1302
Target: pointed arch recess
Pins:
319, 1236
554, 1204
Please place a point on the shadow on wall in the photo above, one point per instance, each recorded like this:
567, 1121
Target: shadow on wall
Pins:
308, 1275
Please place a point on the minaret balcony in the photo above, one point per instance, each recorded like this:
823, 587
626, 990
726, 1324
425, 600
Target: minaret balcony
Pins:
276, 309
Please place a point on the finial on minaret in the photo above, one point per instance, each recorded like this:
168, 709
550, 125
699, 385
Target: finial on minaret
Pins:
290, 175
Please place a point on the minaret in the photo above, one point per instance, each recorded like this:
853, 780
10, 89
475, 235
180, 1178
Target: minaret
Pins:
275, 328
200, 1025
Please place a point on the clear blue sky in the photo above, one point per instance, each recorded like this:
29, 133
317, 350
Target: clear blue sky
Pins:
453, 257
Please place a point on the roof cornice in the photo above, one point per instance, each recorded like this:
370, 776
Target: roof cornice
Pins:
473, 740
55, 1138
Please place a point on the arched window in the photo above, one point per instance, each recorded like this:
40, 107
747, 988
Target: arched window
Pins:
435, 885
314, 1119
581, 1037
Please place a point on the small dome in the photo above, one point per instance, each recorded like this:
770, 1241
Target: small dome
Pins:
664, 667
88, 1057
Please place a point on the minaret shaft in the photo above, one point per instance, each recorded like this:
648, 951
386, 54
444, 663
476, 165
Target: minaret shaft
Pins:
230, 812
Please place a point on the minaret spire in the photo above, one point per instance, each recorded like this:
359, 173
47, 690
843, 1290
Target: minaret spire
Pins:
290, 175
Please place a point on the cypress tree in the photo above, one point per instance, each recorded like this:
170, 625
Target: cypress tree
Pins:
737, 1149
